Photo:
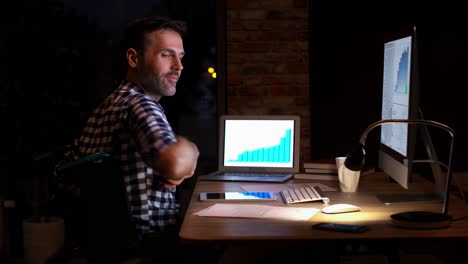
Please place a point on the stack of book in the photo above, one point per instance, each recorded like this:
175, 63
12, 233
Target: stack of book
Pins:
323, 170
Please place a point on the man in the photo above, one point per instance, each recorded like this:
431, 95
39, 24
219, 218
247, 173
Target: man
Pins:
131, 126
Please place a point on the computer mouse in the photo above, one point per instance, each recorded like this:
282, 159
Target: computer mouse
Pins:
340, 208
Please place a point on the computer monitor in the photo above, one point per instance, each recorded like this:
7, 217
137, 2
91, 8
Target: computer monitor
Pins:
399, 101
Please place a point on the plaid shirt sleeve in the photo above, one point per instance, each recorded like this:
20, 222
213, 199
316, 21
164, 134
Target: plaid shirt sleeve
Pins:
152, 132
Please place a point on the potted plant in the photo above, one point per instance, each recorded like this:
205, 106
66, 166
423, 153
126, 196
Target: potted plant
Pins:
43, 234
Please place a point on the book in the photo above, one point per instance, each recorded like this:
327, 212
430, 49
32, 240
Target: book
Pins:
316, 176
315, 170
320, 164
326, 176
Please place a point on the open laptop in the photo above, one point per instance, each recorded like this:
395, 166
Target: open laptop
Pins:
263, 148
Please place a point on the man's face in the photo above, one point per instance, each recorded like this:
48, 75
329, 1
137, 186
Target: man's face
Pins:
160, 65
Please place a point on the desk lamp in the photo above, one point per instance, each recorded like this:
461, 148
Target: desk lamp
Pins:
413, 219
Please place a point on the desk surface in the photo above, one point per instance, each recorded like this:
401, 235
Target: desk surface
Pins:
373, 213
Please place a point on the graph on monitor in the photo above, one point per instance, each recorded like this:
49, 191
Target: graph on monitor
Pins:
396, 96
259, 143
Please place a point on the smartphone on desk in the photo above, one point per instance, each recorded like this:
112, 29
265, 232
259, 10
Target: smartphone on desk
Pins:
237, 196
341, 227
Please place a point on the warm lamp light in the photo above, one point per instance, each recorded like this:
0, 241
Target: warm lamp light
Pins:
414, 219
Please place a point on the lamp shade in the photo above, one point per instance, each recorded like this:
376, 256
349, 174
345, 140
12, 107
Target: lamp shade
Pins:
356, 158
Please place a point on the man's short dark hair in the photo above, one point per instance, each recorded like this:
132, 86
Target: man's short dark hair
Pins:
134, 37
135, 34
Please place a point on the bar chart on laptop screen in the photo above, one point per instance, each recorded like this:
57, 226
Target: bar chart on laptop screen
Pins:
259, 143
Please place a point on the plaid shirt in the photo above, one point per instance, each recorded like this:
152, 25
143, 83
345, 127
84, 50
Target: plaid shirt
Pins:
132, 127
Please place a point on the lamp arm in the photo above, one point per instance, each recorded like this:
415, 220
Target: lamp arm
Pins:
405, 121
421, 122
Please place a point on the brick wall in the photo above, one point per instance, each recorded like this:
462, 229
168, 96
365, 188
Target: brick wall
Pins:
267, 60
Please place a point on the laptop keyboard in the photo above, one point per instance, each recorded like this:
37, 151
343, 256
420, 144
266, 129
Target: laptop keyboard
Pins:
247, 176
253, 174
301, 195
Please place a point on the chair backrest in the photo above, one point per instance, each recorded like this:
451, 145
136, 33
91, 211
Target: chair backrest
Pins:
108, 232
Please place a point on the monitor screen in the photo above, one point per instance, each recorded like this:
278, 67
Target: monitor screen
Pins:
399, 101
267, 142
259, 143
395, 93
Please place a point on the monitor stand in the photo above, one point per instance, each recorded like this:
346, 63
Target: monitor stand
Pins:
439, 179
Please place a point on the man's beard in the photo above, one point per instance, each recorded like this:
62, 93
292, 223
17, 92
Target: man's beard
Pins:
157, 85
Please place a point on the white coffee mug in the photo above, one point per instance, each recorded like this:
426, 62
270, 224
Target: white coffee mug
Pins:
349, 180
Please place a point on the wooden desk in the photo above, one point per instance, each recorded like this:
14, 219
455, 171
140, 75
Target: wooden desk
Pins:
373, 214
385, 238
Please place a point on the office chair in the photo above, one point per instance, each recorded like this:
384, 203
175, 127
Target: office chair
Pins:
102, 221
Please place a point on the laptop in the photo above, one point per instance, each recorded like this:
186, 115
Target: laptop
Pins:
261, 148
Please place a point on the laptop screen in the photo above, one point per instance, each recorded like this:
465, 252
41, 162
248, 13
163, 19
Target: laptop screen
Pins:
259, 143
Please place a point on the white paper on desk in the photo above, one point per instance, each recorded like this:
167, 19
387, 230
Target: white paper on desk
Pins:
284, 186
258, 211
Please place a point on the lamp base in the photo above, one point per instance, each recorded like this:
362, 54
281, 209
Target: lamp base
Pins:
421, 220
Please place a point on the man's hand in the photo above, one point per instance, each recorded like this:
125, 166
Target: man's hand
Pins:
177, 162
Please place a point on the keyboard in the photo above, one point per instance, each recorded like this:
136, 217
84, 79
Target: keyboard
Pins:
302, 195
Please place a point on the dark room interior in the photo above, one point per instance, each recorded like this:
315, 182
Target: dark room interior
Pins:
60, 60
